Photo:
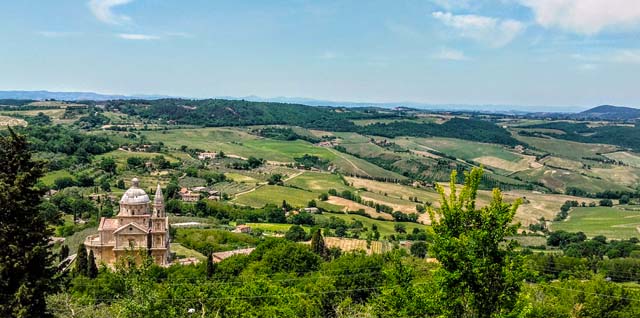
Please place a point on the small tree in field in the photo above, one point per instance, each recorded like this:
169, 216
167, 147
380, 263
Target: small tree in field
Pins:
480, 274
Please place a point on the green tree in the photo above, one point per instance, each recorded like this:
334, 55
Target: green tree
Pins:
295, 233
104, 185
25, 259
92, 268
481, 274
317, 243
108, 165
82, 261
419, 249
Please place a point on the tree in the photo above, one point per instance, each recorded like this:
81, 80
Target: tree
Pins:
64, 252
275, 179
606, 202
211, 266
419, 249
481, 274
400, 228
108, 165
296, 233
104, 185
82, 261
92, 269
120, 184
25, 259
317, 243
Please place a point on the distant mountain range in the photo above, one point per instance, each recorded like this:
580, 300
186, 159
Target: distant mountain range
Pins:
605, 112
608, 112
70, 96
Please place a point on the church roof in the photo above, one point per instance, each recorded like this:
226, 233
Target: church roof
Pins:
135, 195
158, 198
131, 226
109, 224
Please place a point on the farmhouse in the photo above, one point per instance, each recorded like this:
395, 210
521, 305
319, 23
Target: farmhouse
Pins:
141, 225
189, 196
207, 155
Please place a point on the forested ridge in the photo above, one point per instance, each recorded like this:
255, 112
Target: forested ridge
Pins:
219, 112
624, 136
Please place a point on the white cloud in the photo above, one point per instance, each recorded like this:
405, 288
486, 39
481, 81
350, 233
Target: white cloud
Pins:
453, 4
179, 34
587, 67
491, 31
136, 36
585, 16
623, 56
103, 11
329, 55
626, 56
450, 54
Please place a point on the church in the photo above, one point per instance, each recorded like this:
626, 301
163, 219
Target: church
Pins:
141, 225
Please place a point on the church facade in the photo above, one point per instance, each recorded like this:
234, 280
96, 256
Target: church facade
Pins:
141, 226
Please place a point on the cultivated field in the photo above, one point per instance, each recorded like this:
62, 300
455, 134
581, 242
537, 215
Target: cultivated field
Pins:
628, 158
270, 194
317, 181
614, 223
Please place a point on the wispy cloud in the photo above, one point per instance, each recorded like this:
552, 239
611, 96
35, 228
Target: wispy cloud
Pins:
103, 11
624, 56
487, 30
57, 34
450, 54
587, 67
179, 34
585, 16
329, 55
403, 30
453, 4
137, 36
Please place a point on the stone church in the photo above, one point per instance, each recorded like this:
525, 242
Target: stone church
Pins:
140, 226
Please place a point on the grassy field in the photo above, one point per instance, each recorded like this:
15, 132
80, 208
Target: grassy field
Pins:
51, 177
491, 155
567, 149
275, 227
560, 179
316, 181
183, 252
11, 121
276, 194
239, 142
611, 222
384, 227
628, 158
121, 156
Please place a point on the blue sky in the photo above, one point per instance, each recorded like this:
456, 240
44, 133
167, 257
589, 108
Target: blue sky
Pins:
515, 52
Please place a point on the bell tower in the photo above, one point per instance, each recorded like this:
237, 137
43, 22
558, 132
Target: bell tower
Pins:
158, 203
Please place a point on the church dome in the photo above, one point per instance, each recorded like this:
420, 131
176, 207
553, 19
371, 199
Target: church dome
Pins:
135, 195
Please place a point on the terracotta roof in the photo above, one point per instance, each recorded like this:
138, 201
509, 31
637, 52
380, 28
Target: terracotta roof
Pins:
109, 224
220, 256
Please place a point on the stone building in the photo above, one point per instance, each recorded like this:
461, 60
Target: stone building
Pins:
140, 226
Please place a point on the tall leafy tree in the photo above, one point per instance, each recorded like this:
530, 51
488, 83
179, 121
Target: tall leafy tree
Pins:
25, 260
480, 274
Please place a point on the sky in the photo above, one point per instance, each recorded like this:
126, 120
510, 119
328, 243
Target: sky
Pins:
506, 52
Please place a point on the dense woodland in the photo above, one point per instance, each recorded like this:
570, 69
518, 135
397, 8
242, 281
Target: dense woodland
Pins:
627, 136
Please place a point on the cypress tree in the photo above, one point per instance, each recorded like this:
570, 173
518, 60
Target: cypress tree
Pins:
211, 266
92, 269
64, 252
82, 263
26, 262
317, 243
